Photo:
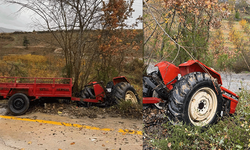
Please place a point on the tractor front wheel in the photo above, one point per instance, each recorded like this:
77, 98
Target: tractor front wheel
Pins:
196, 100
124, 91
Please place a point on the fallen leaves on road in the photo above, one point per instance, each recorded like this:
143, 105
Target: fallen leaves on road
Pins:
72, 143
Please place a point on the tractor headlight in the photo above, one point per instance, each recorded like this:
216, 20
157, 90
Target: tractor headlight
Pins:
109, 90
151, 68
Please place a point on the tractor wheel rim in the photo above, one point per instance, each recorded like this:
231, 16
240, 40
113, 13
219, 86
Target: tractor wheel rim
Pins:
130, 96
158, 105
202, 106
18, 103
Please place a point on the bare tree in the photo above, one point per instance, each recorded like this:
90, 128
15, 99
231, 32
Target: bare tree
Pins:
71, 23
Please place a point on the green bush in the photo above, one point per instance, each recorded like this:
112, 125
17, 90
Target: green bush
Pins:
237, 15
25, 42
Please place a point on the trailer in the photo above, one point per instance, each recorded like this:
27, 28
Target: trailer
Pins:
21, 90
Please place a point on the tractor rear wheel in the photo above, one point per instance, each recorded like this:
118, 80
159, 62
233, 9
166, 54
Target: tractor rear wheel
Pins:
18, 104
196, 100
86, 93
124, 91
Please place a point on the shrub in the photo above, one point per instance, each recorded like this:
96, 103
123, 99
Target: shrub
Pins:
25, 42
237, 15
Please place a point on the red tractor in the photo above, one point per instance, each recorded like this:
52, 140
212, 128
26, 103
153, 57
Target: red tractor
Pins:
191, 93
20, 91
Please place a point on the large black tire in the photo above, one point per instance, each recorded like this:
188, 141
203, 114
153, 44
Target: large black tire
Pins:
124, 91
195, 100
86, 93
18, 104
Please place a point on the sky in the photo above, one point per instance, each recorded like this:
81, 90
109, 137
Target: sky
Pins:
11, 19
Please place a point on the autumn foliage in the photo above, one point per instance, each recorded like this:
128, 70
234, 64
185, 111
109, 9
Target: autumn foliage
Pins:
31, 66
188, 22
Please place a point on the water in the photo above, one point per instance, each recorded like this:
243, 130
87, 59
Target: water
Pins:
235, 82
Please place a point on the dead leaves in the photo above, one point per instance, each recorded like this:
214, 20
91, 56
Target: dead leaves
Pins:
169, 145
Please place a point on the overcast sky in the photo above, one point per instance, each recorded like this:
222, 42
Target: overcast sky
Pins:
9, 18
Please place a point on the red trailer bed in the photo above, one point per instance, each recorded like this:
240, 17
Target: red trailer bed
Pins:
36, 87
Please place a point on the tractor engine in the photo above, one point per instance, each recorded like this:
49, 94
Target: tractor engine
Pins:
158, 81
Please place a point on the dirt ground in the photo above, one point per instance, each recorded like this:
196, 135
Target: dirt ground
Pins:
28, 135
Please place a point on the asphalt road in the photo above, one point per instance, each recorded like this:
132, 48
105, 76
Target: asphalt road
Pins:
38, 131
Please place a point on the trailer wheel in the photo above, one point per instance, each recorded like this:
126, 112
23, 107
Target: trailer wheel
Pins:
195, 100
18, 104
124, 91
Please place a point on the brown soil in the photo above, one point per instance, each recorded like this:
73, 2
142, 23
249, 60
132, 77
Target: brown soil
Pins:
153, 119
71, 110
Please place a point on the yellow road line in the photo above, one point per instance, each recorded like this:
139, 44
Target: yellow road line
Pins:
124, 131
130, 131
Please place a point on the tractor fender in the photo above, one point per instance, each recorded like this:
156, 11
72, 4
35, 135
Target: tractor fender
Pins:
119, 79
169, 72
196, 66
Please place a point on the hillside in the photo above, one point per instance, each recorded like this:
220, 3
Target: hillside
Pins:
44, 58
41, 43
6, 30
